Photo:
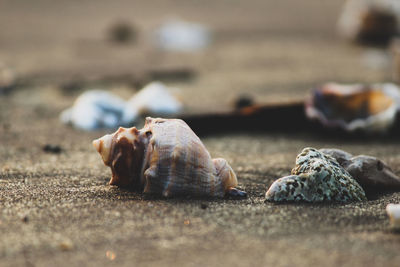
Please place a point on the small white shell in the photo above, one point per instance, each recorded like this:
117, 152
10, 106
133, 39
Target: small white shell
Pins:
95, 109
393, 211
355, 107
155, 100
100, 109
166, 158
182, 36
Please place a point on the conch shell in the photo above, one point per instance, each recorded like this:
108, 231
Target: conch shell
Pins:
166, 158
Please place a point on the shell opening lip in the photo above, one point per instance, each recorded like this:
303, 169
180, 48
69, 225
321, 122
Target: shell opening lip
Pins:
103, 145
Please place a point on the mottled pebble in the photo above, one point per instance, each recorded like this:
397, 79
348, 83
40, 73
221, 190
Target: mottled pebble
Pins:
370, 172
316, 177
49, 148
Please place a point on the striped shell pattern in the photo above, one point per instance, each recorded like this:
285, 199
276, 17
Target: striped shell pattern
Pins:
165, 158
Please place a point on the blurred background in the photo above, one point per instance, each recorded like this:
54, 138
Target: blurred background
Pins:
271, 50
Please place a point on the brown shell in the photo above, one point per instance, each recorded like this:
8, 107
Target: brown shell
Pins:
370, 108
165, 157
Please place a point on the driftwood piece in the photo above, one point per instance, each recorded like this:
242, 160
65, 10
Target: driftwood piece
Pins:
288, 117
272, 117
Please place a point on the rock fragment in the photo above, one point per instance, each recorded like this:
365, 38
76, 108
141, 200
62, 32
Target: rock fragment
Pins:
370, 172
316, 177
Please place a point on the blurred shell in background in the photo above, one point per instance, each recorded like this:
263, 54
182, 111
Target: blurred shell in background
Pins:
155, 99
370, 21
393, 211
369, 108
7, 78
182, 36
98, 109
95, 109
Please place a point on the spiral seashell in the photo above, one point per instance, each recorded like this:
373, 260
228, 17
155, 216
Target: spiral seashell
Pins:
166, 158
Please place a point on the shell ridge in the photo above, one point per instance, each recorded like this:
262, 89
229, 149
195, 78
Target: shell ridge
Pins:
149, 175
145, 164
169, 185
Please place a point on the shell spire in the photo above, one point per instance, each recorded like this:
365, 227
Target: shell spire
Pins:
103, 146
123, 153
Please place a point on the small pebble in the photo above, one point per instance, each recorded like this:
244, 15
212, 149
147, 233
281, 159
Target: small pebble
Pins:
6, 126
56, 149
243, 101
204, 206
122, 32
393, 211
110, 255
316, 177
172, 74
25, 219
72, 86
66, 245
